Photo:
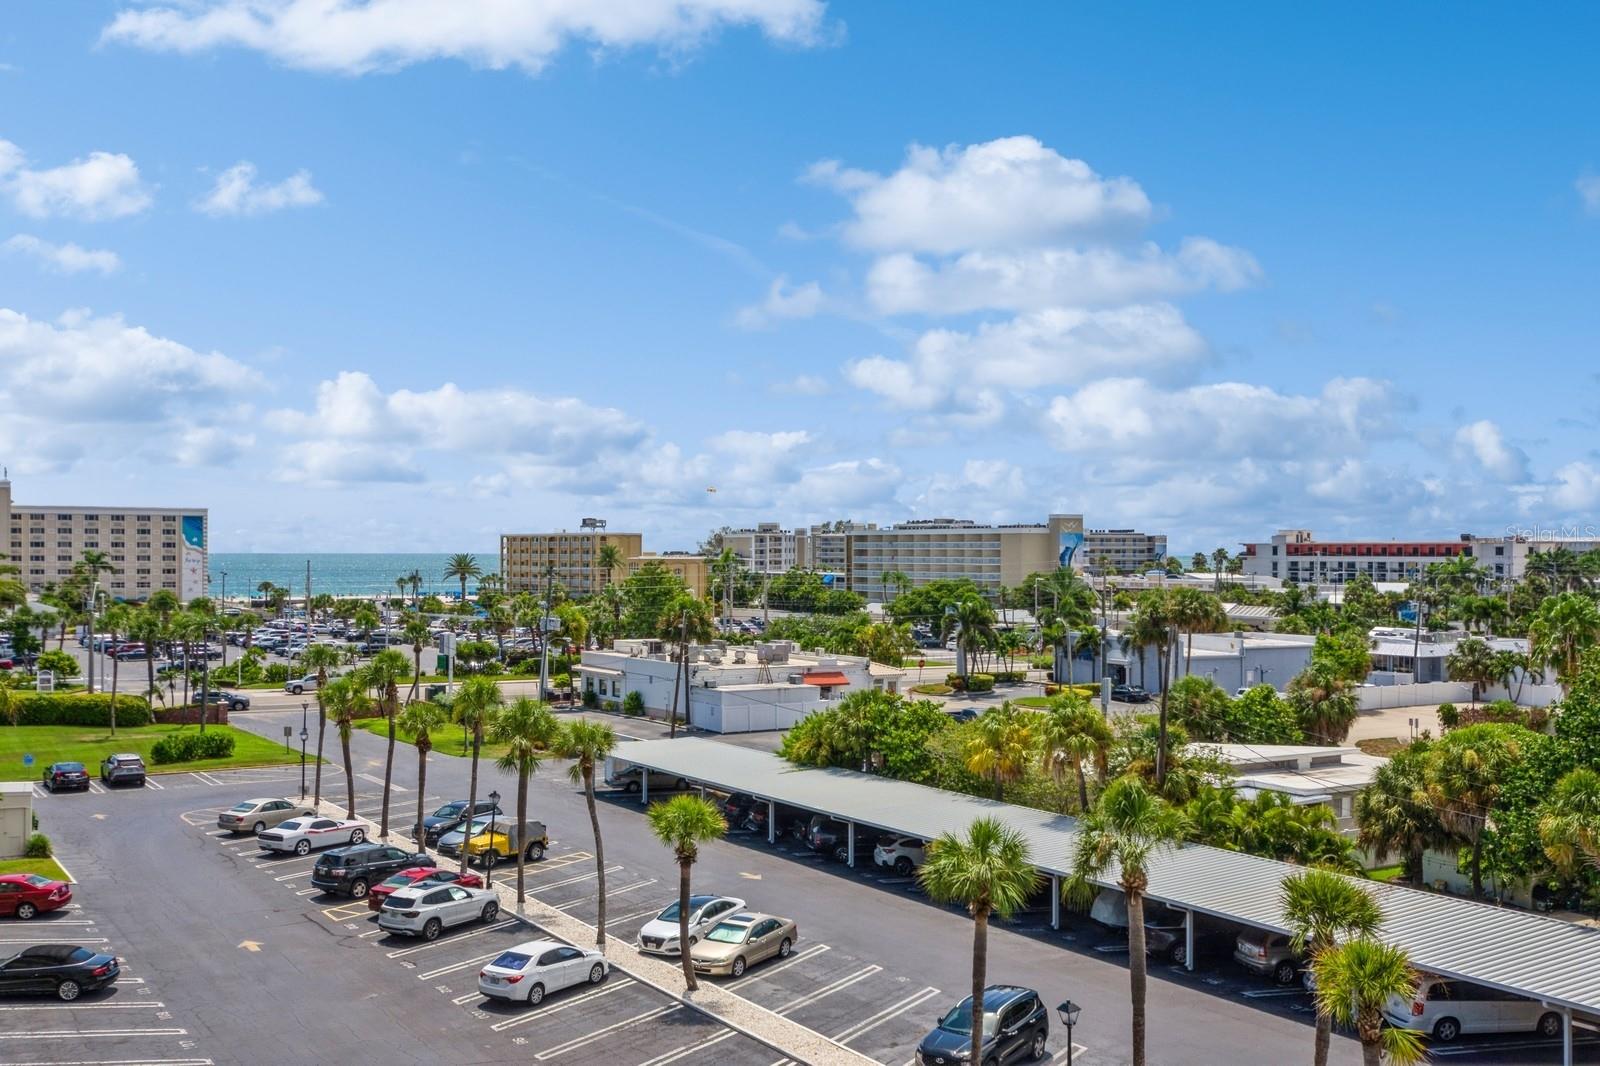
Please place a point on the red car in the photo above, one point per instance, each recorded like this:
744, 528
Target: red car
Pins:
24, 895
380, 892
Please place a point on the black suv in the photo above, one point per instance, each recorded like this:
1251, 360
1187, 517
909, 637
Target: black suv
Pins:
1129, 694
350, 871
830, 837
1016, 1027
453, 816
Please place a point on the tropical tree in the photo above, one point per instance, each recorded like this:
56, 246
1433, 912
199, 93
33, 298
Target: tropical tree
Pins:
384, 674
1561, 630
973, 620
1569, 822
462, 568
320, 658
1474, 662
1123, 829
1073, 733
1463, 780
527, 729
1354, 981
1192, 611
420, 719
1324, 702
1002, 745
91, 566
1393, 815
476, 703
1152, 625
415, 633
1320, 909
683, 823
990, 871
346, 699
609, 560
587, 744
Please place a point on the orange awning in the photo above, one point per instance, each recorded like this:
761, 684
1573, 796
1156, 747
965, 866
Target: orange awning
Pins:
822, 678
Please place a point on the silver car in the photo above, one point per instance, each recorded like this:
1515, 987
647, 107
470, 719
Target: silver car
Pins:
257, 815
429, 909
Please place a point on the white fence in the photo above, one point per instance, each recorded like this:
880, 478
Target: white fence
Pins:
1383, 697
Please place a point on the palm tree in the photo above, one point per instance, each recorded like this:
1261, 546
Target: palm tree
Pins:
974, 622
384, 673
1392, 814
1354, 982
1569, 822
1321, 908
420, 719
527, 729
989, 869
1126, 825
1191, 611
118, 618
898, 580
91, 566
1152, 624
347, 700
1002, 745
1324, 702
587, 744
1473, 661
1463, 778
415, 633
609, 560
683, 823
1561, 630
1073, 733
320, 658
462, 568
414, 580
476, 703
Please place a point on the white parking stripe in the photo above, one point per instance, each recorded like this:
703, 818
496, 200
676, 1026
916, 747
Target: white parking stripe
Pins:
630, 917
585, 1041
157, 785
428, 975
90, 1006
609, 894
799, 956
84, 1034
573, 880
120, 1062
36, 940
889, 1013
539, 1012
444, 942
677, 1053
829, 989
96, 787
467, 998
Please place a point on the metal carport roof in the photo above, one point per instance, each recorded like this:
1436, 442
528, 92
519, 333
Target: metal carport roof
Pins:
1529, 954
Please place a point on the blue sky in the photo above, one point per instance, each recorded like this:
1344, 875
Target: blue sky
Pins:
395, 275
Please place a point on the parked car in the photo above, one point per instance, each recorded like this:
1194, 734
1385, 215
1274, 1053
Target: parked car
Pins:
427, 910
965, 714
419, 874
828, 836
450, 816
901, 854
502, 840
296, 685
1165, 935
631, 779
1267, 954
300, 835
1016, 1027
66, 775
124, 769
216, 697
350, 871
737, 807
256, 815
1444, 1009
25, 895
452, 842
65, 971
1129, 694
791, 820
532, 970
659, 935
742, 940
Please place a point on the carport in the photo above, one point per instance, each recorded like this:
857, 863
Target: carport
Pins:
1544, 959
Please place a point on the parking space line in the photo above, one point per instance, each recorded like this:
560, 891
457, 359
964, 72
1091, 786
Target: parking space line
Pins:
889, 1013
428, 975
677, 1053
1066, 1054
97, 788
576, 880
444, 942
799, 956
829, 989
297, 873
120, 1062
609, 894
345, 911
36, 940
308, 891
89, 1006
585, 1041
540, 1012
157, 785
568, 858
83, 1034
631, 917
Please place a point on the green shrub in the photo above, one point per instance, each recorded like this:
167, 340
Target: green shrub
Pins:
980, 683
1011, 677
60, 663
612, 705
190, 747
633, 703
956, 682
78, 708
1449, 717
1504, 711
591, 698
38, 847
1042, 661
277, 673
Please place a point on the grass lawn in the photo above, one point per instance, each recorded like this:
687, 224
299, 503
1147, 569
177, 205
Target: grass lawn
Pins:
43, 867
1387, 873
932, 690
90, 744
446, 741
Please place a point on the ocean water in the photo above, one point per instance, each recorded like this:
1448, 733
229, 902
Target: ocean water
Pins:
341, 574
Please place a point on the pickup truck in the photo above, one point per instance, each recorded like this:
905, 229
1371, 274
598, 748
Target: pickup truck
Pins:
502, 840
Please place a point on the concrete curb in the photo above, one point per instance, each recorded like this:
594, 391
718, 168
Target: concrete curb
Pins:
785, 1037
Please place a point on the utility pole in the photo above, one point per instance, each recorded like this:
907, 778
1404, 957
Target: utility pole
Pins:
766, 582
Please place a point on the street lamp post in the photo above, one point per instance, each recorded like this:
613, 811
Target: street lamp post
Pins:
1068, 1013
305, 707
488, 853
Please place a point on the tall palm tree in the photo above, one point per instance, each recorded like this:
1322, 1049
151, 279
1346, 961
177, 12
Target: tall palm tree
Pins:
414, 580
1561, 630
1473, 661
683, 823
476, 703
1123, 829
420, 718
415, 633
347, 700
609, 560
1354, 982
383, 673
462, 568
1463, 779
91, 566
1002, 745
989, 869
1072, 734
898, 580
1191, 611
1393, 815
1152, 624
974, 621
118, 618
1322, 908
528, 730
587, 744
320, 658
1324, 702
401, 583
1569, 822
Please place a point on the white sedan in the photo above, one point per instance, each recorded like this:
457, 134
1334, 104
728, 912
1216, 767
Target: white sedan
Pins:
659, 935
531, 971
300, 835
429, 908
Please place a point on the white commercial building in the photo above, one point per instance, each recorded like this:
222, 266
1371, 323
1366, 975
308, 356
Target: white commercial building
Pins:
767, 548
1305, 773
947, 549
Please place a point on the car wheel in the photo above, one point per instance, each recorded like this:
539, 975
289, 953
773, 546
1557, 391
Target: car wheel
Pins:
631, 786
491, 911
358, 888
597, 973
1179, 954
259, 827
737, 969
535, 852
693, 940
902, 866
1549, 1024
431, 929
1037, 1047
784, 948
536, 995
682, 785
297, 690
302, 847
68, 990
1446, 1030
26, 911
357, 835
841, 854
1284, 972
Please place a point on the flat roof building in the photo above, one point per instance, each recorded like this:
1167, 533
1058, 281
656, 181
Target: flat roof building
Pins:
1123, 551
767, 548
938, 549
692, 568
530, 561
1306, 773
1295, 555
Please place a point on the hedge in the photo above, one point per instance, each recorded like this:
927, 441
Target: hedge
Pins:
980, 683
78, 708
1012, 677
187, 747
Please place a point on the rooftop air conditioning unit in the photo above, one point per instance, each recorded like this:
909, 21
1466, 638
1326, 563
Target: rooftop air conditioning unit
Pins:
797, 679
738, 655
710, 682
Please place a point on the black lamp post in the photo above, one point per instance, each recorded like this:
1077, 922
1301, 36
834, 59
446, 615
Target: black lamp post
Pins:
488, 852
305, 706
1068, 1013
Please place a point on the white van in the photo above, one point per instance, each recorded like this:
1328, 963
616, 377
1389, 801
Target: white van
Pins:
1444, 1009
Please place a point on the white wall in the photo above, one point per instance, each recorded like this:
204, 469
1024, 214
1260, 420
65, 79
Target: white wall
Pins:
744, 711
1383, 697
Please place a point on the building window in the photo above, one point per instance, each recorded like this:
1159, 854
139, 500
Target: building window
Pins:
63, 518
143, 558
169, 544
91, 544
169, 570
142, 570
143, 531
63, 558
119, 518
169, 558
142, 518
91, 518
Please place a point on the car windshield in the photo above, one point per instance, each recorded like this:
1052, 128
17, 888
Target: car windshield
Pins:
240, 808
398, 881
728, 933
959, 1020
69, 766
511, 960
449, 810
36, 881
695, 903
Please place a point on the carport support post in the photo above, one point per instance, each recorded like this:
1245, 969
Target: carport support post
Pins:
1055, 901
772, 822
1188, 941
1566, 1037
850, 844
644, 787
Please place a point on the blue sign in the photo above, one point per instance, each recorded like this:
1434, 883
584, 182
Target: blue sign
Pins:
27, 760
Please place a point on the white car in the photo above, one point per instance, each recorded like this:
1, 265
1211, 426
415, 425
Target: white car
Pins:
296, 685
428, 909
300, 835
659, 936
902, 854
531, 971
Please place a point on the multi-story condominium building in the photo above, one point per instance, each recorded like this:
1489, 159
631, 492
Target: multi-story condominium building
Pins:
1507, 556
766, 549
1123, 551
948, 548
529, 561
148, 548
825, 545
1295, 555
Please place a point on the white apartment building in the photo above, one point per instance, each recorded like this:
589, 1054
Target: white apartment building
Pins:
826, 548
1506, 557
530, 561
149, 548
1123, 551
949, 548
767, 548
1307, 774
1296, 555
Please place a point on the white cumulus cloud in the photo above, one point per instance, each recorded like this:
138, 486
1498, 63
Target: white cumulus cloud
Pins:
237, 192
100, 185
782, 301
68, 258
1482, 443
